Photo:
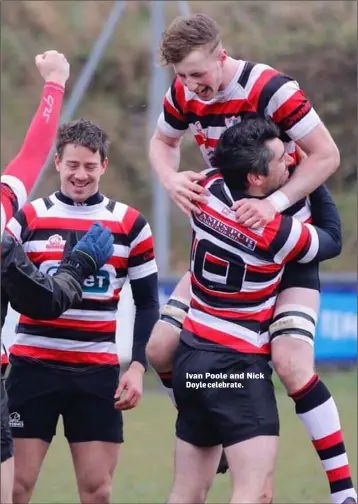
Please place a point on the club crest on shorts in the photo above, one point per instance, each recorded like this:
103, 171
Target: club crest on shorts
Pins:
15, 420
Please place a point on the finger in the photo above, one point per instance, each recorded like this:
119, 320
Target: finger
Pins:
126, 401
133, 402
192, 195
121, 386
196, 188
188, 205
253, 223
242, 218
238, 204
196, 176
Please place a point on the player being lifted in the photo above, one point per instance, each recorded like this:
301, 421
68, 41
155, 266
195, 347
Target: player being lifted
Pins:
211, 91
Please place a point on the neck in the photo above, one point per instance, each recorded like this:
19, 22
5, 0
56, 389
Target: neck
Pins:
229, 70
95, 198
255, 192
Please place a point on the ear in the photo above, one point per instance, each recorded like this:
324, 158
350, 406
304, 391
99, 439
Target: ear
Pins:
255, 180
57, 162
104, 166
222, 56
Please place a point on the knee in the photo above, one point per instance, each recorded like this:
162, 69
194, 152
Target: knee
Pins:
96, 492
22, 490
163, 341
188, 494
266, 496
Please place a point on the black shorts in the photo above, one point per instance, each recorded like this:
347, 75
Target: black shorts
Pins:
39, 393
219, 411
301, 275
7, 449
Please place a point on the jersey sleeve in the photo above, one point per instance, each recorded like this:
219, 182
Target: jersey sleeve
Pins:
282, 99
9, 204
141, 260
296, 241
173, 121
20, 225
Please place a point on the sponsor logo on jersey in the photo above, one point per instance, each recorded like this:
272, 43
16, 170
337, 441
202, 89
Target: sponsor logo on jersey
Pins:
55, 242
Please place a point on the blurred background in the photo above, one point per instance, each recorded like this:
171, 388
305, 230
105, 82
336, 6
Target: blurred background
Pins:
116, 82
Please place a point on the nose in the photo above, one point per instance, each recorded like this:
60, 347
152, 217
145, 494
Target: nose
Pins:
191, 85
81, 173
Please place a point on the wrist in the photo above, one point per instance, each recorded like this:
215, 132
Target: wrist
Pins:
56, 79
138, 366
279, 201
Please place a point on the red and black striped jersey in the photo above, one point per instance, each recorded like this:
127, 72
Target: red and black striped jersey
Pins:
236, 271
84, 334
256, 88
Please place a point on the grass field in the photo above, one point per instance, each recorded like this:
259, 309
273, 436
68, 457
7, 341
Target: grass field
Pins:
144, 474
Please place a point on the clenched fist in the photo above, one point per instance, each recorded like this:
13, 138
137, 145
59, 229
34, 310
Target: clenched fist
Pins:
53, 67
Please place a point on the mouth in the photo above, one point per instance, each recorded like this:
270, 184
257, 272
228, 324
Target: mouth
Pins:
204, 92
78, 185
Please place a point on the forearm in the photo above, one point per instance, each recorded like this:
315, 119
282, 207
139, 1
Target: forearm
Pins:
326, 232
31, 292
164, 159
145, 296
27, 164
312, 171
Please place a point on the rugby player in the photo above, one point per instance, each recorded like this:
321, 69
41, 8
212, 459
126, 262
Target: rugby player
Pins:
69, 366
235, 275
210, 92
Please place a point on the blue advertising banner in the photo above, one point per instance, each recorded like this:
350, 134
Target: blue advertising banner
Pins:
336, 331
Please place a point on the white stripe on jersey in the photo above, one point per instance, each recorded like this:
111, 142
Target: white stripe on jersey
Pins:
64, 344
247, 258
90, 315
15, 229
17, 187
314, 246
304, 213
269, 303
3, 219
254, 76
304, 126
255, 286
252, 337
167, 129
143, 270
281, 96
290, 243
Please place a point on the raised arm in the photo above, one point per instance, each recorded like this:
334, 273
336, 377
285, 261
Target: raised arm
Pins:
22, 172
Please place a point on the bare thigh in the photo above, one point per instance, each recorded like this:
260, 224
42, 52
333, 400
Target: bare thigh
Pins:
164, 339
195, 468
29, 456
252, 465
94, 463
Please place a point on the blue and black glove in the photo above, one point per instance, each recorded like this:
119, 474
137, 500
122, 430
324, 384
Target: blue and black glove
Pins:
84, 257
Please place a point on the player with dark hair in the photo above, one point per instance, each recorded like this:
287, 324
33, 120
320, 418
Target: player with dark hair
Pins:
210, 92
225, 341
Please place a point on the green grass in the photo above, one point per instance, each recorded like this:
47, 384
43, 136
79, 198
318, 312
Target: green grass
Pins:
144, 473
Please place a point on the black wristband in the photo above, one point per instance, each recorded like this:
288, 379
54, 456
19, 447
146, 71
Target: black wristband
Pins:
79, 264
